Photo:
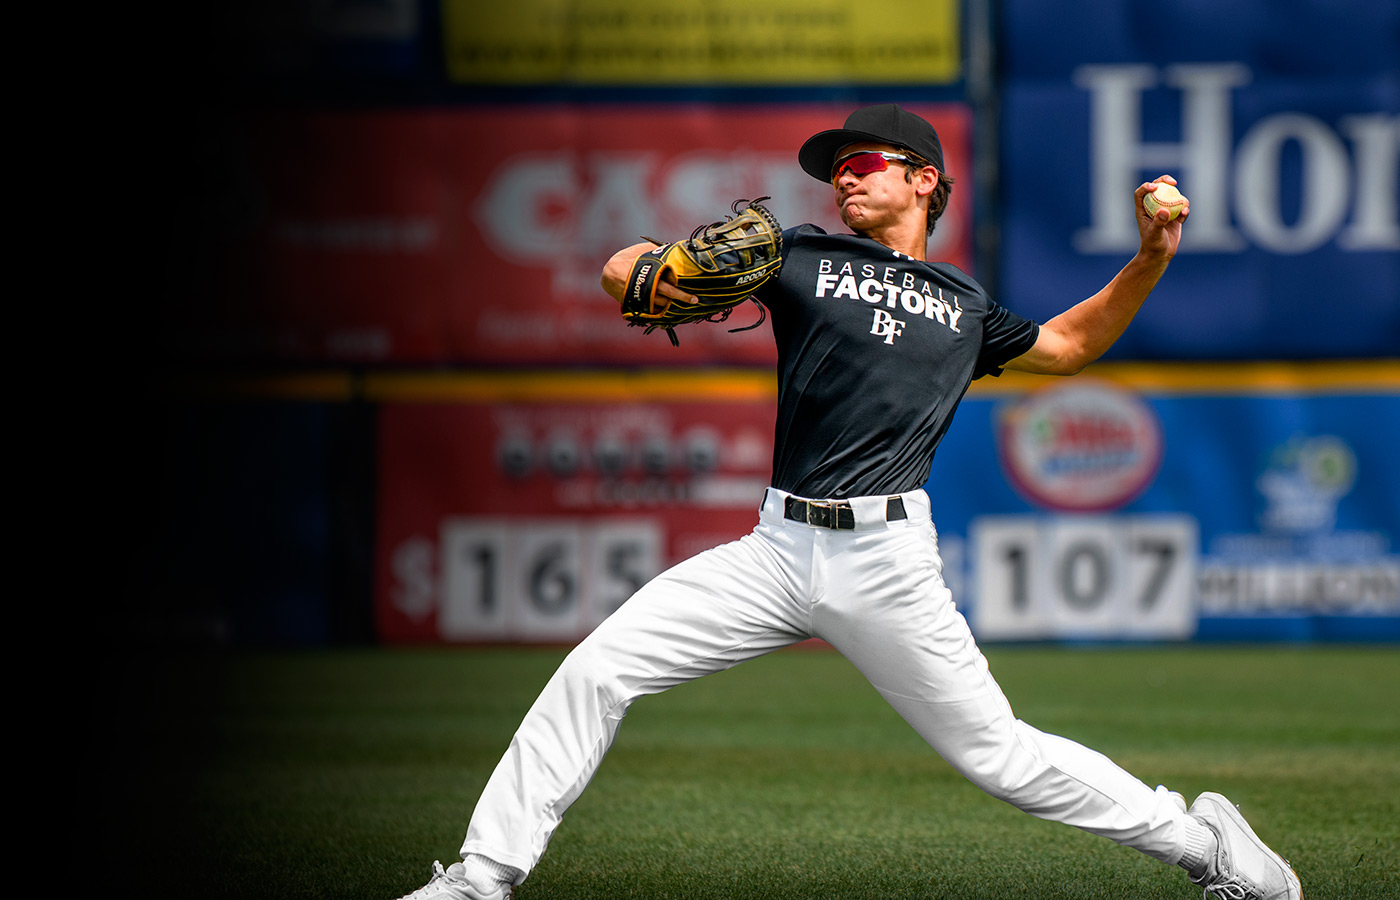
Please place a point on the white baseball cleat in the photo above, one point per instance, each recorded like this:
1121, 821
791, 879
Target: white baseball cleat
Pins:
1244, 867
452, 883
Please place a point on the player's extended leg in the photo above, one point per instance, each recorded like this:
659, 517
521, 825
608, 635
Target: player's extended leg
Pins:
897, 623
889, 612
706, 614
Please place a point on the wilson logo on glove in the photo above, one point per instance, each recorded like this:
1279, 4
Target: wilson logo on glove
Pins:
721, 265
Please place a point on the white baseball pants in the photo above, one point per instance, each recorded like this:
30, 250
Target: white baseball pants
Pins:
876, 594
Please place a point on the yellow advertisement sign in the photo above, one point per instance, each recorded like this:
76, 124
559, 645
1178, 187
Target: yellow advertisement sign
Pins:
727, 42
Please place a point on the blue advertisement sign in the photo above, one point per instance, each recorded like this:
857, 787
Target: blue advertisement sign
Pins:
1122, 508
1285, 137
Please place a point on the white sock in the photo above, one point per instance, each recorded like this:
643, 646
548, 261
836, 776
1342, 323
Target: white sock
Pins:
483, 871
1201, 846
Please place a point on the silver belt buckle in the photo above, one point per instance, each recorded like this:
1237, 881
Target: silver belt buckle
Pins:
826, 521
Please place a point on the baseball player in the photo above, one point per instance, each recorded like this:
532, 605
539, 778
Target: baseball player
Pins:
876, 348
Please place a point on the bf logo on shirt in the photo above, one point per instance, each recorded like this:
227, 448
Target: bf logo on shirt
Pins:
887, 326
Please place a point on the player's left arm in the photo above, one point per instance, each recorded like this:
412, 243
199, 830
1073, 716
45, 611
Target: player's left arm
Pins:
1082, 333
617, 269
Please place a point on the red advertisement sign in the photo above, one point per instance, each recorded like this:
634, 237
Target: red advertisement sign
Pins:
342, 236
535, 521
477, 235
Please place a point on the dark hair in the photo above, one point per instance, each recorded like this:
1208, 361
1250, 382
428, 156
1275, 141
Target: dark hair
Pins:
938, 201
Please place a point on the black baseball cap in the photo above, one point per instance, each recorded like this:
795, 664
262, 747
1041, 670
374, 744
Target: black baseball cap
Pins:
886, 124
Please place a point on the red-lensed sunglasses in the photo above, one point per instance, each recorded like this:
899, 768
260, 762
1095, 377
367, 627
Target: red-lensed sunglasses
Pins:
867, 161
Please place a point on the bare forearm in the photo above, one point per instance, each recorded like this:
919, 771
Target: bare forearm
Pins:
1085, 331
617, 269
1091, 326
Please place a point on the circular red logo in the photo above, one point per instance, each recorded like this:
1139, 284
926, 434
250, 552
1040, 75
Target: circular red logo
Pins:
1088, 446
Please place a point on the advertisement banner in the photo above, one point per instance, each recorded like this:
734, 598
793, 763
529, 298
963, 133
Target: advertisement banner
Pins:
477, 235
1134, 502
337, 246
723, 42
1285, 139
1118, 507
533, 521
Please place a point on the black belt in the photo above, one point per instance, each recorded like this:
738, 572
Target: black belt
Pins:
837, 514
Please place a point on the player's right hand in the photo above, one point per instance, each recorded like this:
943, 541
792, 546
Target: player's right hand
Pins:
1156, 236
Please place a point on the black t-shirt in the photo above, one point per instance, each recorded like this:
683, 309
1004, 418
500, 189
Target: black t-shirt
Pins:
875, 351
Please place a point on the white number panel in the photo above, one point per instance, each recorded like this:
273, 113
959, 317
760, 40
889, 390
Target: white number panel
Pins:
1094, 577
540, 579
473, 560
624, 557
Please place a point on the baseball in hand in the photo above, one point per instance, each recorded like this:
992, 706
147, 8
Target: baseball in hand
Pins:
1164, 197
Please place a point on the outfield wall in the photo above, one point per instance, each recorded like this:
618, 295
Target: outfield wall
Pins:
402, 410
1132, 502
1129, 503
1253, 502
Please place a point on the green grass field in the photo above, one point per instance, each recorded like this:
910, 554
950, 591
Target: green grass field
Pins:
344, 774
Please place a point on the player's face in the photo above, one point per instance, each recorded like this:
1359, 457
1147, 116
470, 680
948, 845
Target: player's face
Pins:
876, 199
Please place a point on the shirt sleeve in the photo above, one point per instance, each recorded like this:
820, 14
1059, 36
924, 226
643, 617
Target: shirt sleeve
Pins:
792, 235
768, 291
1005, 336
